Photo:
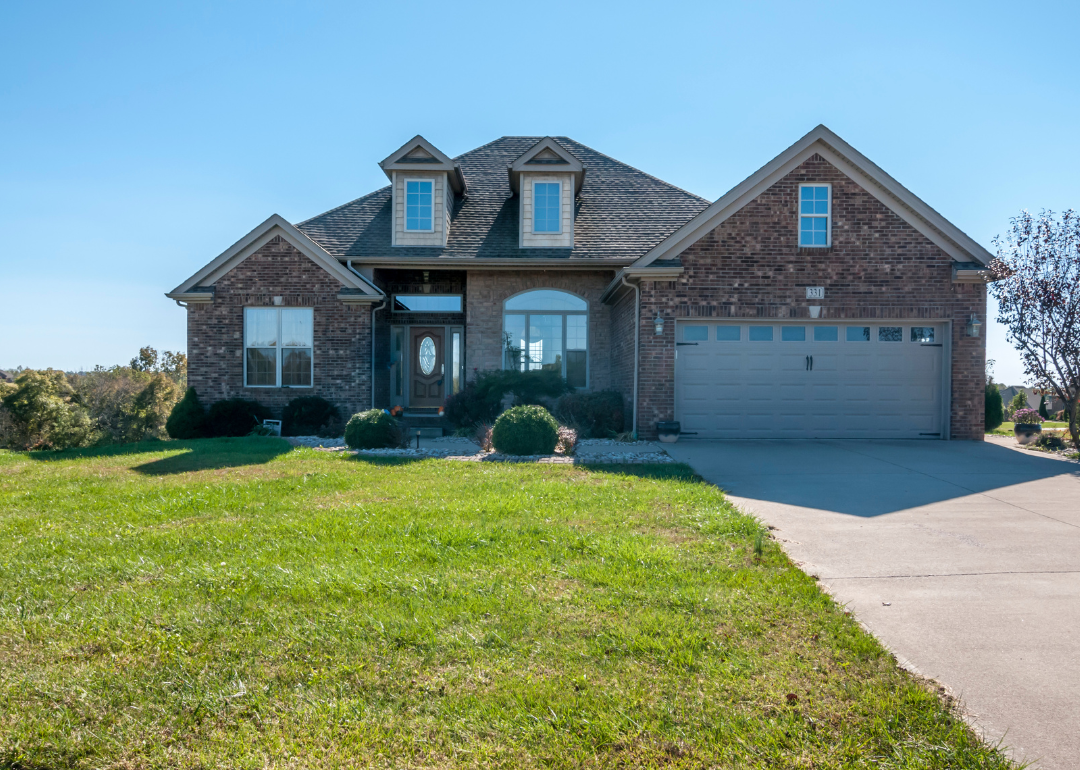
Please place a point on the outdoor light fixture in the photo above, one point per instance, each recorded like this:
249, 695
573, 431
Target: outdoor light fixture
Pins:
973, 326
659, 323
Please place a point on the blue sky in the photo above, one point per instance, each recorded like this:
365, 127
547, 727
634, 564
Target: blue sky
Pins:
140, 140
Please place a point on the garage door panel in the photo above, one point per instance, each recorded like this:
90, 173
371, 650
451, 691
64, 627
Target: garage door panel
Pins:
857, 389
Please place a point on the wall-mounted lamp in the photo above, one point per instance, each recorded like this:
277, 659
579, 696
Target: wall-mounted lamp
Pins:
973, 326
658, 322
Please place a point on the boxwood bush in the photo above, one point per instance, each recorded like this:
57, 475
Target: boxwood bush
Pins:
525, 430
235, 417
594, 415
308, 416
188, 417
373, 429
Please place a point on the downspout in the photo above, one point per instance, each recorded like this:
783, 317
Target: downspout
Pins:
348, 263
637, 331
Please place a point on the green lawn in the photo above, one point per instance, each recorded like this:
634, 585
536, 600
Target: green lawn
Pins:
1006, 428
231, 603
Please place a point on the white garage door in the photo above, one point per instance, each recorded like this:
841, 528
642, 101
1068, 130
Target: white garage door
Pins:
809, 380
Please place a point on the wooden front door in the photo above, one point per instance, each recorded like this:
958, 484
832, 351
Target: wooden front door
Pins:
428, 370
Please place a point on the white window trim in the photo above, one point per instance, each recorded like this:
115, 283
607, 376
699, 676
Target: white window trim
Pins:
278, 348
547, 232
405, 204
563, 313
827, 217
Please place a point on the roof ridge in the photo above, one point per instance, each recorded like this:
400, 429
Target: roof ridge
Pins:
488, 144
343, 205
635, 168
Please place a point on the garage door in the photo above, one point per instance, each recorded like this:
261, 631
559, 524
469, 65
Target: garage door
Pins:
809, 380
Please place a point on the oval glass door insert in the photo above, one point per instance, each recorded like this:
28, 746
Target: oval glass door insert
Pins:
427, 355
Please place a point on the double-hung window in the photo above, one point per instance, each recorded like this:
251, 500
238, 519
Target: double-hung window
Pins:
547, 330
278, 344
547, 209
418, 205
815, 215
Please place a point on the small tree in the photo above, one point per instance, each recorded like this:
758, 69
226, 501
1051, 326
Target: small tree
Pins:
1042, 407
1037, 288
1019, 401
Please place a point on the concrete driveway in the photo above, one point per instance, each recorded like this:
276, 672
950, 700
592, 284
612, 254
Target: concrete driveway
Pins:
962, 557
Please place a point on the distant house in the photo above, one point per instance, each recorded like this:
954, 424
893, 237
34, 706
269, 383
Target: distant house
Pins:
1034, 395
819, 298
6, 376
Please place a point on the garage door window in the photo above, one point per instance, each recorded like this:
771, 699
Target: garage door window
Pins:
695, 333
761, 334
793, 333
922, 333
890, 334
727, 333
825, 334
858, 334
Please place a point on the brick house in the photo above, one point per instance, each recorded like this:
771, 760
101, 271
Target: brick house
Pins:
818, 298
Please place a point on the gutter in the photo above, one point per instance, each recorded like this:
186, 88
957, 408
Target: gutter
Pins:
637, 332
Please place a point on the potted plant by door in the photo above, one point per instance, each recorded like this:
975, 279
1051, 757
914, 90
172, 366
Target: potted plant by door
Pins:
668, 432
1027, 425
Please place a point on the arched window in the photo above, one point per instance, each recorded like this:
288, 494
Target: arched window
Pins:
547, 329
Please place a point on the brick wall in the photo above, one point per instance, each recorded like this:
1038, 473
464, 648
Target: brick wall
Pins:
751, 267
487, 290
342, 339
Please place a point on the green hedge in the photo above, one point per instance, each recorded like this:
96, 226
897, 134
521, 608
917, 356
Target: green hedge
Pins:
525, 430
481, 399
188, 418
235, 417
593, 415
309, 416
373, 429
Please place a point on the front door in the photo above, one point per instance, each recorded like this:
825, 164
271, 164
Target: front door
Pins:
428, 368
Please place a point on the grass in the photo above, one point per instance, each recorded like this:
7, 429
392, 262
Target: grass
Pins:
1006, 428
230, 603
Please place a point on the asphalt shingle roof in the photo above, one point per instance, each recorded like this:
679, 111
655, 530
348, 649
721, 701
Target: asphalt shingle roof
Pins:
621, 212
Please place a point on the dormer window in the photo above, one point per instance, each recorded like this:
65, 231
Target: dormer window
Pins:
418, 205
547, 207
815, 213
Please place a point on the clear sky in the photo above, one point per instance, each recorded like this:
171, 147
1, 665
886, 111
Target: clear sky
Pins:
138, 141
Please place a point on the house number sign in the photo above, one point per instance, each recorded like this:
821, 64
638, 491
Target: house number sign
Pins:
815, 292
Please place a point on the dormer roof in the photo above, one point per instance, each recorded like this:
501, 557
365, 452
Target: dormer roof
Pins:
418, 154
547, 155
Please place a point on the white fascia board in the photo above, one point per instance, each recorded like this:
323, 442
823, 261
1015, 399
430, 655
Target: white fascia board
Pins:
851, 162
274, 226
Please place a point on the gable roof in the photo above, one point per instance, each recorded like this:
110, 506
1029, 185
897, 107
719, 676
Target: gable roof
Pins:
621, 213
821, 141
418, 154
199, 287
546, 155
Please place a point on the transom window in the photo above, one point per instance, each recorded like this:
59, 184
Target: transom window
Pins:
547, 211
547, 330
814, 215
278, 347
418, 197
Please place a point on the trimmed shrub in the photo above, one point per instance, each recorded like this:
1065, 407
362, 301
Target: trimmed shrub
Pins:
1042, 407
525, 430
995, 411
308, 416
373, 429
235, 417
595, 415
188, 418
481, 399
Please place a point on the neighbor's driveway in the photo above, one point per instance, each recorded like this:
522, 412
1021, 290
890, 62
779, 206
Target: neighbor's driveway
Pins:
962, 557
